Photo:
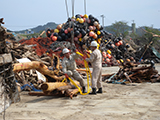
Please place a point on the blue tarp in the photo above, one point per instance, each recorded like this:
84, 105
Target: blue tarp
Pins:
31, 86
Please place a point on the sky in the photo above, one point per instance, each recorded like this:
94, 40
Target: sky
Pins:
24, 14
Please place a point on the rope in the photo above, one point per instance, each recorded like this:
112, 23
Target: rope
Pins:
67, 8
88, 73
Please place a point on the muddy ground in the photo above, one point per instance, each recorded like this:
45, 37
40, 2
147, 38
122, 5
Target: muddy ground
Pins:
118, 102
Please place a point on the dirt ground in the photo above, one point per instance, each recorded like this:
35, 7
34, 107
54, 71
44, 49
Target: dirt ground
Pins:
118, 102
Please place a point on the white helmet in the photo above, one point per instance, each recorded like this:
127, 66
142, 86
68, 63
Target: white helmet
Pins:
94, 43
65, 50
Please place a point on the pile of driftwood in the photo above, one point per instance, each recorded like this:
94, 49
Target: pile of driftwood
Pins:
130, 72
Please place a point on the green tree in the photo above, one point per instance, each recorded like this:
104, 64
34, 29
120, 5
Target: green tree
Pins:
148, 36
119, 28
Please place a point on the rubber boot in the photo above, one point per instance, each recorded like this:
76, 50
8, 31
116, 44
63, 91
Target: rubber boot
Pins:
93, 91
99, 90
84, 90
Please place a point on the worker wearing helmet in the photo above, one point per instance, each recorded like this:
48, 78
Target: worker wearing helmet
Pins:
69, 67
96, 61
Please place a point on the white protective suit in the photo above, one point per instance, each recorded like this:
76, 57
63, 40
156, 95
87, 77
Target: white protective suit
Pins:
69, 67
96, 61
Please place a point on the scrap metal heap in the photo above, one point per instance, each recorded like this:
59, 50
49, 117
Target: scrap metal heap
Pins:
8, 89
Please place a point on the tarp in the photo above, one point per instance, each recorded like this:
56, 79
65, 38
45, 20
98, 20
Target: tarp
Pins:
155, 52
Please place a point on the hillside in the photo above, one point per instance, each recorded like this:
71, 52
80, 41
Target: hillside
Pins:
51, 25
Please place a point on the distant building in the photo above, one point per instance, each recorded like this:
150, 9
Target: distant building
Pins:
29, 31
129, 32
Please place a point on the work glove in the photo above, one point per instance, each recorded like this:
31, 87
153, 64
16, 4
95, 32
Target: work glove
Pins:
84, 57
66, 75
75, 50
88, 52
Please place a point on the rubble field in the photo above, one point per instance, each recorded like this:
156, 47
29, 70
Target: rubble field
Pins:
118, 102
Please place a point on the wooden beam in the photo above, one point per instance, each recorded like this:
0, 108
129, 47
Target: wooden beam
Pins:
5, 58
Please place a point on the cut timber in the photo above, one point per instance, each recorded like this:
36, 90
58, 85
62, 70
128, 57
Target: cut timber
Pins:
65, 87
50, 86
69, 86
71, 92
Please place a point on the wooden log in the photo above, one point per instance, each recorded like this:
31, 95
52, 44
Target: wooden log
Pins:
127, 77
39, 67
69, 86
134, 74
71, 92
47, 58
65, 87
50, 86
46, 63
140, 68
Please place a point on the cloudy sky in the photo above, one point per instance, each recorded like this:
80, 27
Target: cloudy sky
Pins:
23, 14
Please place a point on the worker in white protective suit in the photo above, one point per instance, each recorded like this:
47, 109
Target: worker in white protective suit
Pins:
69, 67
96, 61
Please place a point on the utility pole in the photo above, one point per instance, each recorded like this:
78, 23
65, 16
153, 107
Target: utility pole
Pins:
102, 19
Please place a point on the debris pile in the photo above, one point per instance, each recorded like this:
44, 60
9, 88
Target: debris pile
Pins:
28, 66
53, 86
130, 72
8, 90
80, 32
